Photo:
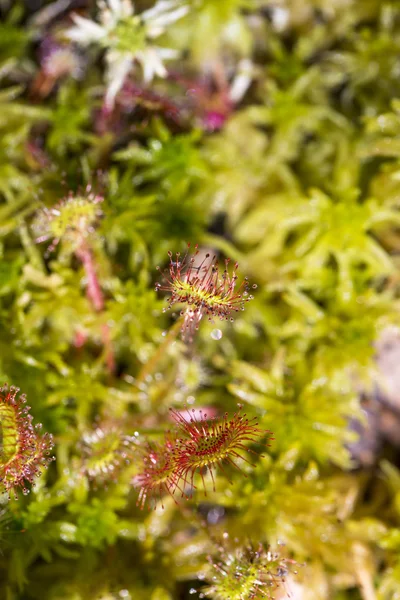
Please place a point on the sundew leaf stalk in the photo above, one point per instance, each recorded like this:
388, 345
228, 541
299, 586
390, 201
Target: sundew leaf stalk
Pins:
73, 220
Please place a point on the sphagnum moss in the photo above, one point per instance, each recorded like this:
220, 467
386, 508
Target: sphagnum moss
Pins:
267, 132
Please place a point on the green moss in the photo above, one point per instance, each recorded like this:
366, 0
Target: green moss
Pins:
273, 141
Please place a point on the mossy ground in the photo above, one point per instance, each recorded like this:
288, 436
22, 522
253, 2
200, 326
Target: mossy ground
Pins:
274, 140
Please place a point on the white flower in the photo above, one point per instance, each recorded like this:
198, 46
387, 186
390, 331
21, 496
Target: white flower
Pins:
164, 13
118, 68
86, 31
128, 38
242, 81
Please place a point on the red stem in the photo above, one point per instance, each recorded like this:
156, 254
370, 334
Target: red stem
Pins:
96, 297
93, 289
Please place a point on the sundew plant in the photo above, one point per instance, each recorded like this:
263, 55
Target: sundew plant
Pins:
199, 299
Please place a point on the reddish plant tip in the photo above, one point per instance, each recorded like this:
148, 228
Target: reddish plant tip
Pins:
198, 445
23, 451
204, 288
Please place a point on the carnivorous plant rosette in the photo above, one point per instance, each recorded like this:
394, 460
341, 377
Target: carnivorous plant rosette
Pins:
244, 572
204, 288
23, 451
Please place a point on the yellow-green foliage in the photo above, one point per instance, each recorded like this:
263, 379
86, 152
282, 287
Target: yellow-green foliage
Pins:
273, 140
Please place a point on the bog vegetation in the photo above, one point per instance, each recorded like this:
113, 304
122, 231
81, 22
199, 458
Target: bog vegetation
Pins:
265, 134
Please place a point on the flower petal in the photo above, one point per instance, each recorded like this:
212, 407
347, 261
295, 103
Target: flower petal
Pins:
118, 68
86, 31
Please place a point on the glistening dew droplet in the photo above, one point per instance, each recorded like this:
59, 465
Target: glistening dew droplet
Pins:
216, 334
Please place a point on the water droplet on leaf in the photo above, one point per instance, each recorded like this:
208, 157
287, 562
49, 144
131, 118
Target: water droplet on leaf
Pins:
216, 334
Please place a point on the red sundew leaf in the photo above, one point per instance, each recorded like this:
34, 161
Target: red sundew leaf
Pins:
23, 451
204, 443
156, 477
197, 445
